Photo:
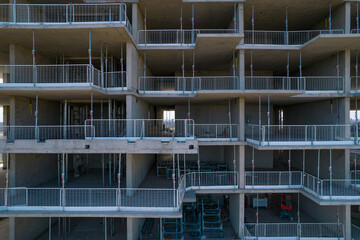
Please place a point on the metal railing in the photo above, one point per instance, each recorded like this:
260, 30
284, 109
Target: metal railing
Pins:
283, 37
45, 132
355, 232
355, 31
188, 84
64, 13
115, 79
216, 131
324, 83
274, 83
176, 36
141, 128
212, 180
276, 179
67, 74
295, 230
355, 83
302, 134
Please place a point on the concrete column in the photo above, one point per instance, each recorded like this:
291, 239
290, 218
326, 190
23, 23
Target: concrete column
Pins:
134, 10
345, 218
241, 112
347, 67
132, 66
347, 17
133, 226
12, 119
241, 164
241, 67
236, 212
240, 13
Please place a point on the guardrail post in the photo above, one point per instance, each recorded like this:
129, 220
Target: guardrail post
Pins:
185, 126
263, 135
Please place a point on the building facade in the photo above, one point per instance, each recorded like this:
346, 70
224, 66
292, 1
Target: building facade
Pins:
180, 119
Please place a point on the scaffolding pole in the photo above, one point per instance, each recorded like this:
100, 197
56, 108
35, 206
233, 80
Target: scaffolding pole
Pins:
89, 55
286, 27
7, 180
103, 169
63, 180
33, 57
303, 167
67, 167
91, 113
330, 172
109, 161
49, 228
36, 116
251, 70
252, 25
198, 165
229, 116
122, 66
105, 228
183, 71
173, 180
181, 24
260, 120
102, 65
192, 24
289, 166
144, 69
253, 167
193, 74
318, 172
330, 19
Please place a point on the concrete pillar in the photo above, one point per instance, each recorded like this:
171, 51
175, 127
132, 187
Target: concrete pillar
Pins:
345, 218
133, 227
12, 119
134, 10
132, 66
240, 13
241, 112
241, 67
347, 73
347, 17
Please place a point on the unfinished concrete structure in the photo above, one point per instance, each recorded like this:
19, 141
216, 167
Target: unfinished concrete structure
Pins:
180, 119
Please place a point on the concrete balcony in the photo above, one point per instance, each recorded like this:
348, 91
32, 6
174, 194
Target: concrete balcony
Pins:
307, 84
289, 231
302, 135
320, 190
181, 37
72, 76
64, 14
259, 37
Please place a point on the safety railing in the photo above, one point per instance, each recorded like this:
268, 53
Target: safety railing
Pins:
355, 31
42, 133
284, 37
355, 177
294, 230
355, 232
64, 13
141, 128
60, 75
216, 131
176, 36
115, 79
167, 84
188, 84
332, 189
302, 134
273, 180
274, 83
324, 83
125, 199
355, 84
166, 36
212, 180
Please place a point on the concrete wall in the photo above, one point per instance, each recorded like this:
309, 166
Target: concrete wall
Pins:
311, 162
252, 113
204, 113
262, 160
315, 113
27, 228
22, 111
29, 170
23, 56
325, 67
137, 167
138, 109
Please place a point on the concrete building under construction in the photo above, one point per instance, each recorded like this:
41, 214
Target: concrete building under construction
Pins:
180, 119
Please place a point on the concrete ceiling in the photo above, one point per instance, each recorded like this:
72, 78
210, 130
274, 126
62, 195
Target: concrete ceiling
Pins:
69, 42
161, 15
302, 14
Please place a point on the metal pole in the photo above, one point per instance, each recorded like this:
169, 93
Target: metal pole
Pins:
330, 172
234, 18
356, 72
122, 67
253, 167
109, 161
357, 17
300, 72
144, 71
330, 19
189, 111
192, 24
33, 57
318, 172
234, 165
109, 116
193, 74
183, 71
67, 166
49, 228
106, 66
181, 24
59, 171
178, 168
303, 168
105, 228
7, 180
338, 71
103, 169
36, 116
63, 180
229, 116
287, 28
252, 26
14, 11
259, 119
198, 165
289, 166
91, 114
145, 25
233, 69
89, 55
65, 117
268, 113
173, 180
251, 70
102, 65
288, 71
